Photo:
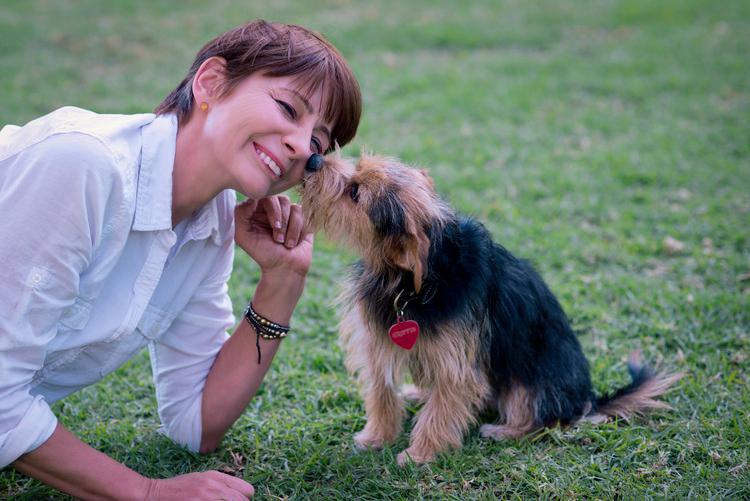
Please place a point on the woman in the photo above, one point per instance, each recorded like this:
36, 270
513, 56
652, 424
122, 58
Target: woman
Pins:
119, 233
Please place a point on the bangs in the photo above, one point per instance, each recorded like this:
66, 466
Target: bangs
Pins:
293, 51
340, 107
280, 50
318, 65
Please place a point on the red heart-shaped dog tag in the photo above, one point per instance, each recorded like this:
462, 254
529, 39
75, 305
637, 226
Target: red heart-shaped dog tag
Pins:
404, 333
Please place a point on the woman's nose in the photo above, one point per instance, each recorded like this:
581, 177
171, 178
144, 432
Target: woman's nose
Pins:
298, 142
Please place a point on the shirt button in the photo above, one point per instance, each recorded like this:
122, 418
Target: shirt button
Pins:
37, 277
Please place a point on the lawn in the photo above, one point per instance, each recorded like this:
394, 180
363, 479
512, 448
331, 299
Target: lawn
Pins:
608, 142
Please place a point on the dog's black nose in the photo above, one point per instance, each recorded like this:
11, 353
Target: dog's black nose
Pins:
314, 163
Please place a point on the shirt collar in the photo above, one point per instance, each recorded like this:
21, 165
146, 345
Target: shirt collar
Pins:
205, 222
153, 204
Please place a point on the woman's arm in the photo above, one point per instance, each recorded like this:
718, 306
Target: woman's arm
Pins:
67, 464
236, 374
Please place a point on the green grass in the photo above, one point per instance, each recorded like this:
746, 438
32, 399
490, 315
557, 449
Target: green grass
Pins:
582, 133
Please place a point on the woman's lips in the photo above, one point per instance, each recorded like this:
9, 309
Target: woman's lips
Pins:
269, 160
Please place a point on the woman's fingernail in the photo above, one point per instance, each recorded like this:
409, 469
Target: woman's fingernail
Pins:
280, 238
291, 243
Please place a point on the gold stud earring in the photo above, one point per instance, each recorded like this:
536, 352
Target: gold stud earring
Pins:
204, 106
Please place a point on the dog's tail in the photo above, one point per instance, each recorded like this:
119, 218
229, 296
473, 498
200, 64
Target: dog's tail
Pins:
636, 398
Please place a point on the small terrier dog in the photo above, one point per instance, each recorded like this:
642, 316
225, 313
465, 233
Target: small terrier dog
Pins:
477, 327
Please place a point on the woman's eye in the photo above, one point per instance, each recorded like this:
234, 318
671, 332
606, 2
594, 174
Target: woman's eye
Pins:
317, 146
354, 192
288, 108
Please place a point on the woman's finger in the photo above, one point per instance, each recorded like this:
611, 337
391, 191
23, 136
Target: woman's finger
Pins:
237, 485
273, 211
277, 212
284, 204
295, 226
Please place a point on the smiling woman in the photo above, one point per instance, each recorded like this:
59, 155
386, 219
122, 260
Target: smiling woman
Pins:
134, 246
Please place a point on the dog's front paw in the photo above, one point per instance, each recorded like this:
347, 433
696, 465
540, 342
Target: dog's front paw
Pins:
366, 439
418, 457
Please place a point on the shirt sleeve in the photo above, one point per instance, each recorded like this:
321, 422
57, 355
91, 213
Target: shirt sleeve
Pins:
53, 200
182, 357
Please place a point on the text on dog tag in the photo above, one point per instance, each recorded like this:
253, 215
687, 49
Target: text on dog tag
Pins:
404, 333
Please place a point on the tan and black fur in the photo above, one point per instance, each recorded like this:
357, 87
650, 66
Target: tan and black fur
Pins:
492, 334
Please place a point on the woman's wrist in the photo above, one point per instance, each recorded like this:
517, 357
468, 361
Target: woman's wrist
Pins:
281, 269
148, 488
67, 464
277, 295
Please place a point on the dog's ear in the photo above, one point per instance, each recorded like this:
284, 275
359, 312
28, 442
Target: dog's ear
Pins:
405, 242
410, 251
417, 250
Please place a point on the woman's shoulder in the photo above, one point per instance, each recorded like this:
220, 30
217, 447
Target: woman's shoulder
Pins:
78, 144
75, 133
74, 153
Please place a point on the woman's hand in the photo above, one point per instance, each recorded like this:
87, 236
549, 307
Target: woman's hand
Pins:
272, 231
209, 485
67, 464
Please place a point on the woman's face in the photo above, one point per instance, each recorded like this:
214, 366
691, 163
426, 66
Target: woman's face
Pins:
262, 133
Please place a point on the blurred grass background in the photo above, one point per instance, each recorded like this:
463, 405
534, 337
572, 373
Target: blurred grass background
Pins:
607, 141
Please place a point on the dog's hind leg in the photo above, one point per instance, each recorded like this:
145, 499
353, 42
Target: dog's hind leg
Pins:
517, 408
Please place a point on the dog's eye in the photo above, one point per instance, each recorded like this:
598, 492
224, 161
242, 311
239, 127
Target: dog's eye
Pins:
354, 192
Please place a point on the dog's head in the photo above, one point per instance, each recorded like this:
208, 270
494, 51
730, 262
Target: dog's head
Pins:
382, 208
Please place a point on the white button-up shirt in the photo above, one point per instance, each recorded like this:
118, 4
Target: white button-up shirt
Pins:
92, 270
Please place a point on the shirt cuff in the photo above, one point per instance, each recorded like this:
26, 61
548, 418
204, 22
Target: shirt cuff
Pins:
35, 428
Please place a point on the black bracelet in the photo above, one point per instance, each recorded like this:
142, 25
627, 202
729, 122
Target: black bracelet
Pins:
264, 328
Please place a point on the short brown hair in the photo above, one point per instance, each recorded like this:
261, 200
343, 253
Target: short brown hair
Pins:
279, 50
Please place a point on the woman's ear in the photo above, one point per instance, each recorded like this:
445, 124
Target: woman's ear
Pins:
208, 80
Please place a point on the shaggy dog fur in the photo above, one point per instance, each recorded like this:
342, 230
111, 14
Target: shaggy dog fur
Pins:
492, 334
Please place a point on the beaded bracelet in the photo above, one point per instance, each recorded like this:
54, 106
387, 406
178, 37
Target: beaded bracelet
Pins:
264, 328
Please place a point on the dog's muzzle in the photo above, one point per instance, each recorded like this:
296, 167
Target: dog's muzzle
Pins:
314, 163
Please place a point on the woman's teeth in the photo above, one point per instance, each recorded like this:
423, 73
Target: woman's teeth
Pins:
270, 163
